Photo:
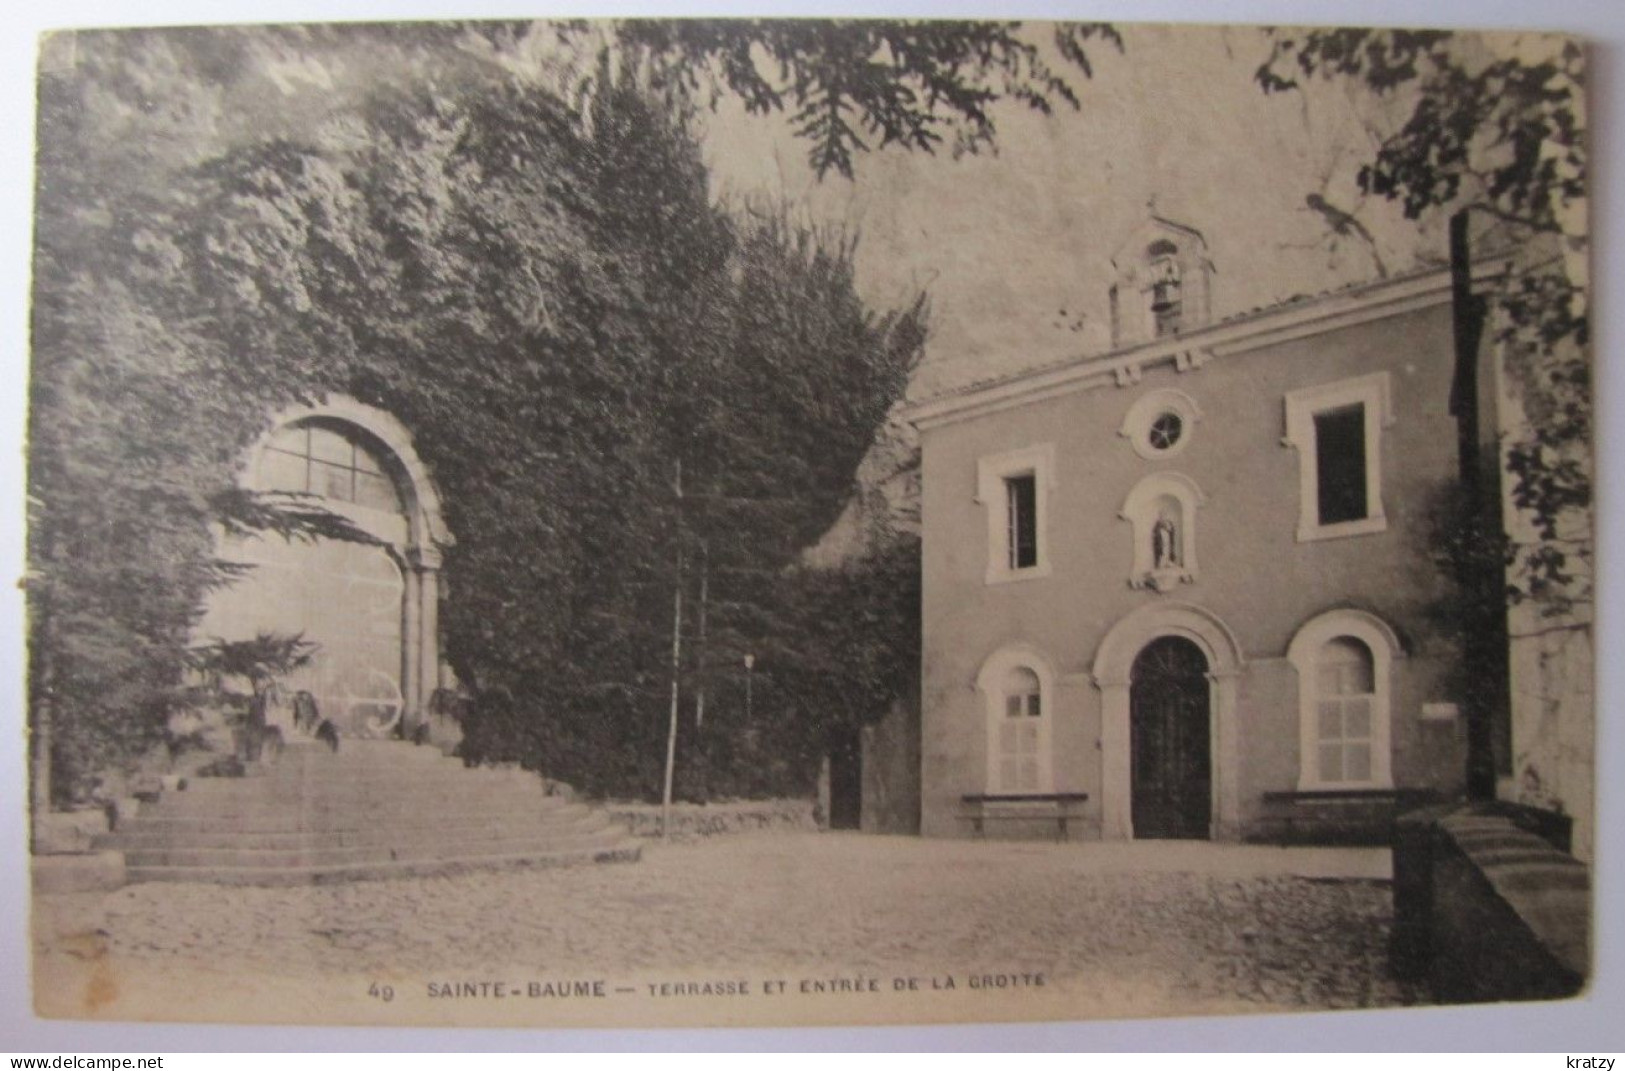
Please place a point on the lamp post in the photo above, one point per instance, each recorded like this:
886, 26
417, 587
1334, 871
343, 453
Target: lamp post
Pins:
750, 663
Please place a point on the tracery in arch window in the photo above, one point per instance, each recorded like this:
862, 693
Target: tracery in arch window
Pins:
330, 460
1160, 423
1165, 431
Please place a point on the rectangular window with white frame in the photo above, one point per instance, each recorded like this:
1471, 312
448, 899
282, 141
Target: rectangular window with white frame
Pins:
1014, 490
1337, 430
1021, 509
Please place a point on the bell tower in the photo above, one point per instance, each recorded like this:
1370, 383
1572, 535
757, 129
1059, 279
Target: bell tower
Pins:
1163, 282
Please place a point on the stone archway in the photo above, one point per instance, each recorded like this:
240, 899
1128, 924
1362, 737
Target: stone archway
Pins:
375, 609
1113, 672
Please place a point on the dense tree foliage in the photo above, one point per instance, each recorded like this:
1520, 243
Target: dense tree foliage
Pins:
545, 293
1498, 129
852, 85
502, 233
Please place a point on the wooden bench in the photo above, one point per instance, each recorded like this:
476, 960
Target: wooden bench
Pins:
1058, 807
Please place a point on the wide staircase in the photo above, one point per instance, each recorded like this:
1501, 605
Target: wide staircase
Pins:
371, 809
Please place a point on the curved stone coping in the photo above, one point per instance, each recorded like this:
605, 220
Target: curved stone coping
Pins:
1547, 889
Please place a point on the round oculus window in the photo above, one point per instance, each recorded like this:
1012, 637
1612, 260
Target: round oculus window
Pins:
1165, 431
1160, 424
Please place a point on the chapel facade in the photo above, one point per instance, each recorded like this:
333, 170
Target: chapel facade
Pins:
1189, 588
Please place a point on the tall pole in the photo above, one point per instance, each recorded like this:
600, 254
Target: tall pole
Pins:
676, 665
1485, 627
699, 649
41, 687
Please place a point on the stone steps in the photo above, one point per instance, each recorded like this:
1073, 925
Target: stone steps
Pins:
431, 799
372, 809
316, 831
370, 803
431, 777
623, 851
359, 855
324, 830
353, 754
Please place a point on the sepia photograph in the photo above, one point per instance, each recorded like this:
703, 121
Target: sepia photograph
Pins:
654, 522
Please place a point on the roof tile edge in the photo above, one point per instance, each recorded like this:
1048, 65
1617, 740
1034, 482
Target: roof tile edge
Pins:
1294, 317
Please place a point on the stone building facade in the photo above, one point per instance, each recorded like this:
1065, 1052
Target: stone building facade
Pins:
1189, 587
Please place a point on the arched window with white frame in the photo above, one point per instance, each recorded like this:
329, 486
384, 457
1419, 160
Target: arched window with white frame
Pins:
1344, 661
1018, 692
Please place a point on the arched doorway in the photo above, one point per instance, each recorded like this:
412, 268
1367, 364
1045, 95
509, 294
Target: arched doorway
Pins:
1170, 740
370, 607
345, 597
1115, 665
846, 780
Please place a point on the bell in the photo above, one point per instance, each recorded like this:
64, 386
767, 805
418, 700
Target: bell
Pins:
1164, 295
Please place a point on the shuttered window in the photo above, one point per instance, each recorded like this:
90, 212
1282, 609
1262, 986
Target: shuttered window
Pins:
1346, 698
1020, 736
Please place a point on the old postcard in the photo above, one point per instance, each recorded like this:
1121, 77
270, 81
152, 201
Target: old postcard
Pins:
753, 522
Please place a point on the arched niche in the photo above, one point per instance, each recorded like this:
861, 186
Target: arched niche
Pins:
1162, 514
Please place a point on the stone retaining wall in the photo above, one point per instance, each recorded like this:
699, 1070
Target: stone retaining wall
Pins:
1487, 910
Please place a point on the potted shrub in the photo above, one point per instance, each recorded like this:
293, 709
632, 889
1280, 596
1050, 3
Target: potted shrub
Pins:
226, 724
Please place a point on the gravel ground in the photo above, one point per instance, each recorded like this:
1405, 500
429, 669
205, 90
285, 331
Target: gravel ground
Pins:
1239, 936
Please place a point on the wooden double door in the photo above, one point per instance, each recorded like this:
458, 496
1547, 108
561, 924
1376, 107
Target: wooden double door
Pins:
1171, 741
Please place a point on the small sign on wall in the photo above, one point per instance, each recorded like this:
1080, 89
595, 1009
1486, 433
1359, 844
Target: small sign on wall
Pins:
1439, 711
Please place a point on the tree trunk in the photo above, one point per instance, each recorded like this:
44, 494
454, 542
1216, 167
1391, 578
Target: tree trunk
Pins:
41, 707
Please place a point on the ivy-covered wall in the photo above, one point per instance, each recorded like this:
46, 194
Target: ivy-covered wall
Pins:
547, 294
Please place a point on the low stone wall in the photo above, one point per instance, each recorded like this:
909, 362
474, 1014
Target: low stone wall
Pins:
692, 821
1486, 909
78, 872
68, 831
63, 855
1362, 819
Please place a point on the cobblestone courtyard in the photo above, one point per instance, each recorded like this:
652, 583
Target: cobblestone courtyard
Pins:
1143, 929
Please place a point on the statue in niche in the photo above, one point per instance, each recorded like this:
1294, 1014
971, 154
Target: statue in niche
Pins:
1164, 544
